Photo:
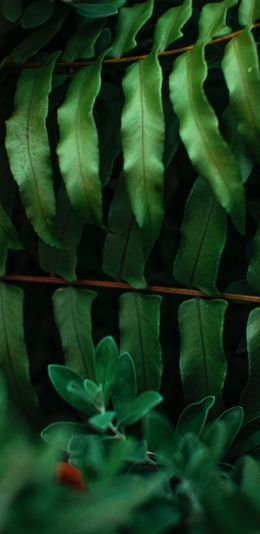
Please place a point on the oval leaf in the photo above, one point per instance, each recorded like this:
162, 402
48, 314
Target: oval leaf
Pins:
194, 416
107, 363
139, 407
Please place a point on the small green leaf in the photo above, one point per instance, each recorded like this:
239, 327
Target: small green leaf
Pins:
214, 437
194, 416
93, 11
169, 25
92, 390
12, 9
102, 421
107, 361
140, 330
59, 434
69, 385
160, 435
139, 407
124, 390
233, 418
37, 13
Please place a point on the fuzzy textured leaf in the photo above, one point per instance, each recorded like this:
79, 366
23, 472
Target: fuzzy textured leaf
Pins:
203, 364
28, 149
140, 330
78, 146
203, 237
241, 71
72, 309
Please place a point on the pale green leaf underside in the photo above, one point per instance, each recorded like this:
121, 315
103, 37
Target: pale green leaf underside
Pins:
123, 254
78, 146
200, 134
130, 21
143, 144
241, 71
203, 237
139, 335
28, 149
250, 397
202, 361
253, 273
72, 310
13, 354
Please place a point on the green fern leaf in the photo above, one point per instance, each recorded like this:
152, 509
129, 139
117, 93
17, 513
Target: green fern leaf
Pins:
241, 71
28, 149
202, 362
72, 310
123, 255
129, 22
249, 12
140, 329
63, 261
250, 398
81, 44
203, 237
143, 144
13, 354
78, 147
169, 25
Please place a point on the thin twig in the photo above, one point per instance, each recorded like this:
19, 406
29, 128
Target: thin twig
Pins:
130, 59
53, 280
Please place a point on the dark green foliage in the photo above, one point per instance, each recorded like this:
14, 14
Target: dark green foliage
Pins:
141, 170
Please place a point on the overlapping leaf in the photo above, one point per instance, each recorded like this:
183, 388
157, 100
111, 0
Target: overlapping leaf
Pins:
63, 261
123, 254
199, 129
202, 362
129, 22
241, 71
250, 397
72, 309
78, 147
28, 149
13, 354
140, 330
203, 237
